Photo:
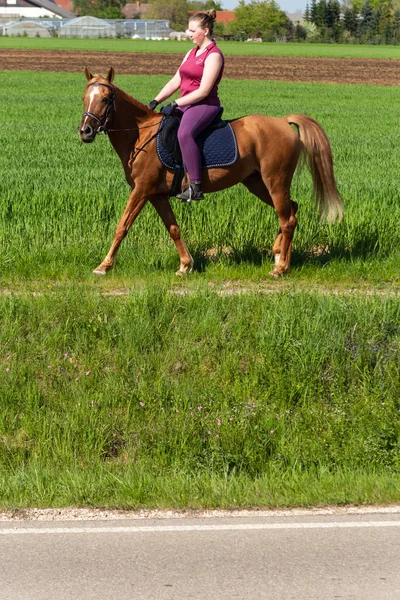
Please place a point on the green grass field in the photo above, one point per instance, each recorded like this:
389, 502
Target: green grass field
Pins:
229, 48
141, 389
61, 199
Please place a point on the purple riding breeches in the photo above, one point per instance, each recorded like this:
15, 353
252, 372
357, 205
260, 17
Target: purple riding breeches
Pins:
194, 120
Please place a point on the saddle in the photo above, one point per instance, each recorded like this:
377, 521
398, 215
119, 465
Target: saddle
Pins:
217, 145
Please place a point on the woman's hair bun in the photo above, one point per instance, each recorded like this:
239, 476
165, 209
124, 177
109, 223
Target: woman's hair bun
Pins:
205, 19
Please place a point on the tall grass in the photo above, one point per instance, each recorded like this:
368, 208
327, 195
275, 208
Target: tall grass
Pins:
229, 48
198, 400
61, 200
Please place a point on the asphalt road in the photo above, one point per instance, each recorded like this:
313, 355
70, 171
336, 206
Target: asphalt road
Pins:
347, 556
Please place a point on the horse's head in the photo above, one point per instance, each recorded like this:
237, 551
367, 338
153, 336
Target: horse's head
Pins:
99, 102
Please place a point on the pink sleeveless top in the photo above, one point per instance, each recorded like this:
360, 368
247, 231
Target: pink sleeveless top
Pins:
191, 72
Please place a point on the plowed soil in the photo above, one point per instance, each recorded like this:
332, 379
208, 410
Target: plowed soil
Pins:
313, 70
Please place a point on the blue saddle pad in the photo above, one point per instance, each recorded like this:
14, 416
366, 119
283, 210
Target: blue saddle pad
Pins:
218, 149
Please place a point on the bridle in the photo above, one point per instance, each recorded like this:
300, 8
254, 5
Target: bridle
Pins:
110, 105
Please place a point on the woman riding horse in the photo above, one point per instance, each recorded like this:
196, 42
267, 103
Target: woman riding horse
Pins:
197, 79
269, 150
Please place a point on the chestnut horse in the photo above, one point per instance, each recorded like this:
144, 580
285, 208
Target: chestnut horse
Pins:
269, 151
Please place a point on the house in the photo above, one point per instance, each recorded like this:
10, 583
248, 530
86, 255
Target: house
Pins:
135, 10
67, 4
225, 16
33, 9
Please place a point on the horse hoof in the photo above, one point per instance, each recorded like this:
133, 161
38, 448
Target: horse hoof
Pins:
276, 274
99, 272
181, 272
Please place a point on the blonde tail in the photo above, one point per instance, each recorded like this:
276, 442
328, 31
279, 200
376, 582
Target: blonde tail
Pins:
318, 157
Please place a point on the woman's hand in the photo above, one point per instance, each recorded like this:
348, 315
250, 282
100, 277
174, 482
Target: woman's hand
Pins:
168, 109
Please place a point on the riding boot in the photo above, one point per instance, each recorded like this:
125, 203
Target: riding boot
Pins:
193, 192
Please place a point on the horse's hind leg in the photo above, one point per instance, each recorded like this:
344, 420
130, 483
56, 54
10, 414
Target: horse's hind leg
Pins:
132, 209
282, 249
286, 210
163, 207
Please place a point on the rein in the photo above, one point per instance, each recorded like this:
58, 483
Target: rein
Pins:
111, 105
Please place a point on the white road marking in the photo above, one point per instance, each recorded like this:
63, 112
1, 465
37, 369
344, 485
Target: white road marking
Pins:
177, 528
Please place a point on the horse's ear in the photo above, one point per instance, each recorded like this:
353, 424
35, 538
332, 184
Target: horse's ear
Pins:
88, 74
110, 74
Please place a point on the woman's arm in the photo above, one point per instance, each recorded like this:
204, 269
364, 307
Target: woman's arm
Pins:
169, 88
212, 68
172, 86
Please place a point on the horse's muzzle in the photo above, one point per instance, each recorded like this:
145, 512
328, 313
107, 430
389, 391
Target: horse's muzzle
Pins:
86, 133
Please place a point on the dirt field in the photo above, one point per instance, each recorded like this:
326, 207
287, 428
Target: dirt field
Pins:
321, 70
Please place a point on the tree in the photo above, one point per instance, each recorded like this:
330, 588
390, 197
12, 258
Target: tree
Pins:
175, 11
385, 21
396, 26
219, 30
104, 9
259, 18
366, 20
112, 12
202, 5
332, 17
322, 11
83, 7
374, 3
300, 33
313, 12
350, 20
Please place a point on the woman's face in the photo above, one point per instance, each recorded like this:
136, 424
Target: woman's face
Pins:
196, 33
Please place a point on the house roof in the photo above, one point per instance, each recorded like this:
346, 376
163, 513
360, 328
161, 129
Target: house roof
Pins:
67, 4
224, 16
53, 7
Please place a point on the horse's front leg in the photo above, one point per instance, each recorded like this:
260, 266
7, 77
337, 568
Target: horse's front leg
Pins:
134, 206
163, 207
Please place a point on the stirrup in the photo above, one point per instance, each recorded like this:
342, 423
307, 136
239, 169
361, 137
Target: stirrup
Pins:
191, 194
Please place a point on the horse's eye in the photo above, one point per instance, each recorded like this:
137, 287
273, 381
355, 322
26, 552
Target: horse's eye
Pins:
104, 100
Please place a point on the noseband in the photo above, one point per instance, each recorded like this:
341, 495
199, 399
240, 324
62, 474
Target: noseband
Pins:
111, 105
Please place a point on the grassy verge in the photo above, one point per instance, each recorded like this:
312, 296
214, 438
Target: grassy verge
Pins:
229, 48
158, 399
